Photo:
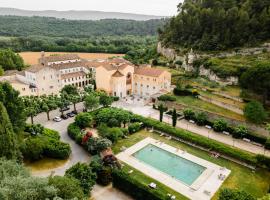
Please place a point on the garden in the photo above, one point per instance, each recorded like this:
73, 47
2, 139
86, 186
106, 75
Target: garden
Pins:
119, 129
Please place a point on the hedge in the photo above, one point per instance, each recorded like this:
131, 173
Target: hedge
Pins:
166, 97
220, 125
135, 188
74, 132
206, 143
134, 127
57, 149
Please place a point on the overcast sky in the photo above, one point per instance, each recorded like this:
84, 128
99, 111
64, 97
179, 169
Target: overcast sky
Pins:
149, 7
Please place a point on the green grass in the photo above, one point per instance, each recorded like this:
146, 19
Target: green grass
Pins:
256, 183
195, 103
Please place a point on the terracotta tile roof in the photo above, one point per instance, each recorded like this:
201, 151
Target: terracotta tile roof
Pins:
73, 75
69, 65
63, 57
110, 64
146, 71
117, 74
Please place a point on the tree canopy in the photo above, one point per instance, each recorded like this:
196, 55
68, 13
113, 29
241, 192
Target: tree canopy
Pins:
218, 24
10, 60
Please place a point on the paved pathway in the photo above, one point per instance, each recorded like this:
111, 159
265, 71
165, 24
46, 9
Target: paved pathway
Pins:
148, 111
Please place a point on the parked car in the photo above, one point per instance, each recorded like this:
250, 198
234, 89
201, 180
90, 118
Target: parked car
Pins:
71, 114
64, 109
64, 116
75, 112
57, 119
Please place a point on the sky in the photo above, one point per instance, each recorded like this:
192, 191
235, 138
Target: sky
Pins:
149, 7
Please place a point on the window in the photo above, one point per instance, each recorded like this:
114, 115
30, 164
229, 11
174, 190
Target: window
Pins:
147, 86
154, 88
141, 85
23, 89
51, 77
43, 77
51, 87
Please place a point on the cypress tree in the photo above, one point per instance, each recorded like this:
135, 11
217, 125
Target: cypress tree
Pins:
8, 146
174, 118
161, 111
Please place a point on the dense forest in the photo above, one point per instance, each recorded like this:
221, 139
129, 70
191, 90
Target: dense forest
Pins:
101, 36
52, 27
218, 24
102, 44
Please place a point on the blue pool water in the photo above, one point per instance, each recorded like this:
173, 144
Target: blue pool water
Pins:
169, 163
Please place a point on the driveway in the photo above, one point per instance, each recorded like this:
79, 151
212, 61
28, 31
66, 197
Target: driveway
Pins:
78, 154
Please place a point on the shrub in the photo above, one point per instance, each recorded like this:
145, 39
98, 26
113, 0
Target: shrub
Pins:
255, 112
84, 120
57, 149
166, 97
220, 125
189, 114
104, 176
135, 188
34, 148
103, 144
112, 134
116, 98
201, 118
83, 173
74, 132
229, 194
263, 161
67, 188
51, 134
181, 92
134, 127
240, 131
34, 129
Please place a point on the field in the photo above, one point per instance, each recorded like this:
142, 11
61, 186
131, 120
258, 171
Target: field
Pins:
31, 58
256, 183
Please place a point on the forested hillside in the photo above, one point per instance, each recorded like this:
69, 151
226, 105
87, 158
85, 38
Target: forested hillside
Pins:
218, 24
52, 27
102, 36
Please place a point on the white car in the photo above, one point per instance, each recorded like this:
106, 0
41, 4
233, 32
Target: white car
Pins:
57, 119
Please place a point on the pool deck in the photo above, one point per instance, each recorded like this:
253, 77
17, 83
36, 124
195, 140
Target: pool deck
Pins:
203, 188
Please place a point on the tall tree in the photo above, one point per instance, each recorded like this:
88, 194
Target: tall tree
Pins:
91, 101
14, 106
8, 145
161, 111
174, 118
257, 79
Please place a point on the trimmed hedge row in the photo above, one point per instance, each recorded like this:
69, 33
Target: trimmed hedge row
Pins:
74, 132
135, 188
220, 125
206, 143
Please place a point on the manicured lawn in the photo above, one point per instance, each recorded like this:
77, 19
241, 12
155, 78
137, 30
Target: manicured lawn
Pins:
197, 103
256, 183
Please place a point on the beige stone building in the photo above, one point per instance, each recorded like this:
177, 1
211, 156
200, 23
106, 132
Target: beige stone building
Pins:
121, 78
117, 76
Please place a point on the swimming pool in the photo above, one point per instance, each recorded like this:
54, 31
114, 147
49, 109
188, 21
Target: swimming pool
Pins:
170, 164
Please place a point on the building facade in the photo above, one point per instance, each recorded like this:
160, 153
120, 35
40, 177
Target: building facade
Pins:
117, 76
